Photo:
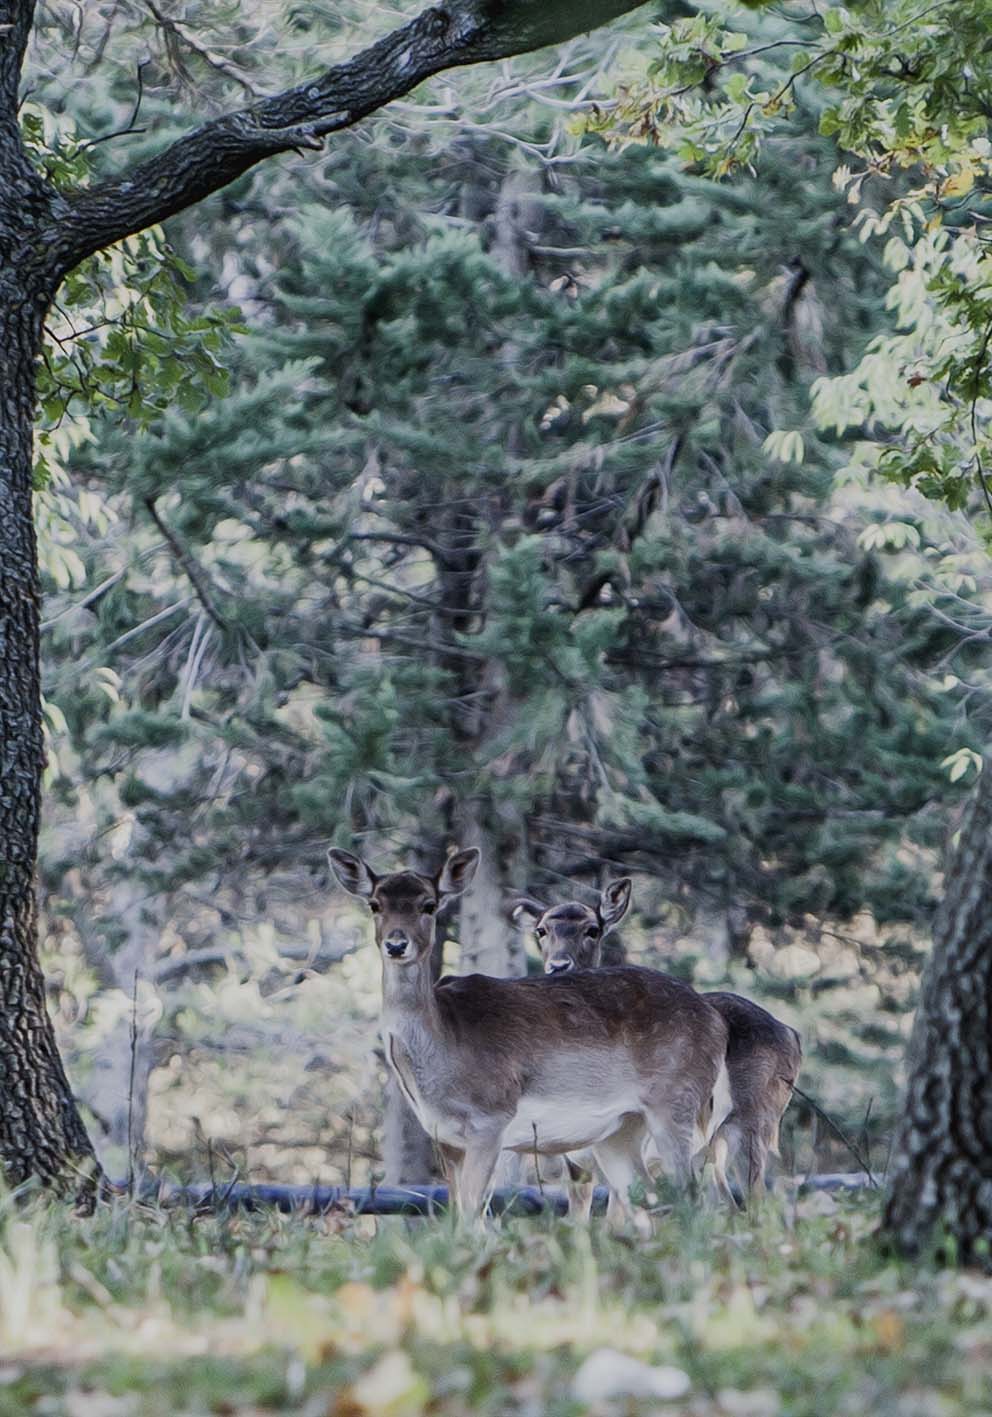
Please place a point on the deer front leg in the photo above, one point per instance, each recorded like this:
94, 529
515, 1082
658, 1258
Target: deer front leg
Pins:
473, 1181
451, 1159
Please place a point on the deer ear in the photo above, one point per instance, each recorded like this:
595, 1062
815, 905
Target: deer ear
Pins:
352, 873
457, 872
614, 902
525, 912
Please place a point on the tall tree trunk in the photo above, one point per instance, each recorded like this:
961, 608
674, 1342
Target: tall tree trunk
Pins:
41, 1133
490, 943
941, 1176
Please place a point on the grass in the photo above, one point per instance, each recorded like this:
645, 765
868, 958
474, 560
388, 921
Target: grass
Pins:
792, 1312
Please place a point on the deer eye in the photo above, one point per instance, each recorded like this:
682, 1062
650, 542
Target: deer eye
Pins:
539, 932
375, 907
592, 933
429, 907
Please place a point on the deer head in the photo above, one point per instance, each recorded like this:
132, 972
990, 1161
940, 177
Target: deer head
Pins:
570, 936
404, 904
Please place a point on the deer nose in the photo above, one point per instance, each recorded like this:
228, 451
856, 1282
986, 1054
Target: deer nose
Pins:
559, 964
396, 944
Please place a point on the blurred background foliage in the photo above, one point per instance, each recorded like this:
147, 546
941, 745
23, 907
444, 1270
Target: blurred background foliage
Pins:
497, 477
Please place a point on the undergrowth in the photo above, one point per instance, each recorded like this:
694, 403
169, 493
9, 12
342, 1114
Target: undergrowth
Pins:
795, 1311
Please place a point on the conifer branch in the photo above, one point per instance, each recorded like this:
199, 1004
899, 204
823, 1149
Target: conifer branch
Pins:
445, 36
193, 571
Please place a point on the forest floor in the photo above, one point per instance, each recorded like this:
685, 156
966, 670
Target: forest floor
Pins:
794, 1311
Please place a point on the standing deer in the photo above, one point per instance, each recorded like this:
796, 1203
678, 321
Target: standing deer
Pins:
549, 1064
763, 1054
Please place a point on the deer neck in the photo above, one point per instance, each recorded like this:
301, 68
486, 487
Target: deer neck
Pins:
413, 1039
408, 999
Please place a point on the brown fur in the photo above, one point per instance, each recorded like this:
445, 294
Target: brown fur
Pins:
585, 1059
763, 1054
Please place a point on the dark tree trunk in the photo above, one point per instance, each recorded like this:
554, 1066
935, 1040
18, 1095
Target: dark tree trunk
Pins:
941, 1177
41, 1133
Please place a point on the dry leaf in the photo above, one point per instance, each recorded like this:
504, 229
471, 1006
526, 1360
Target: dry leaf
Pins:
607, 1373
393, 1388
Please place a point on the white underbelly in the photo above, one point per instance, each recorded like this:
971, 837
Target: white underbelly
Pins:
550, 1126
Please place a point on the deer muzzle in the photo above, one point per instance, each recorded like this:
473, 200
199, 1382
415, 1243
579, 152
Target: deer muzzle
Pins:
559, 964
396, 944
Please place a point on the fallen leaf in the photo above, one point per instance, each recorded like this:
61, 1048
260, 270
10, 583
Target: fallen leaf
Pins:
759, 1402
607, 1373
392, 1388
889, 1329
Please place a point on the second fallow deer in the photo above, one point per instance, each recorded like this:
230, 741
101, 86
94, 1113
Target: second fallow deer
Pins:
763, 1054
548, 1064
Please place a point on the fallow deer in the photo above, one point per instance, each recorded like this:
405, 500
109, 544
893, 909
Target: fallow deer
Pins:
548, 1064
763, 1054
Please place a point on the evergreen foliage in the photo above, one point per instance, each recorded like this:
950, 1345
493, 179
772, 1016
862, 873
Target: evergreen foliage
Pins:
490, 532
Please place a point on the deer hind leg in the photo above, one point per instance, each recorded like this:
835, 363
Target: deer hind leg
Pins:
674, 1128
745, 1144
756, 1160
779, 1099
580, 1184
621, 1160
721, 1152
709, 1145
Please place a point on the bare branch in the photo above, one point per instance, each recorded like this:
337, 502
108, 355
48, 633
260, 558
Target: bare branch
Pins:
178, 965
445, 36
181, 32
130, 127
87, 602
402, 538
195, 574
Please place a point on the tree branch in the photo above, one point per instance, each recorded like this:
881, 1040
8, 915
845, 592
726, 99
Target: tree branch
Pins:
445, 36
402, 538
194, 573
16, 17
176, 966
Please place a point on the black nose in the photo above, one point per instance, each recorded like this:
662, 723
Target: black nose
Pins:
560, 965
396, 949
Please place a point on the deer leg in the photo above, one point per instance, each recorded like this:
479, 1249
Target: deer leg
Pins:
673, 1127
580, 1185
450, 1159
620, 1158
719, 1153
758, 1142
475, 1175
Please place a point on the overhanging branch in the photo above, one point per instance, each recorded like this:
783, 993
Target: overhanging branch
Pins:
445, 36
16, 17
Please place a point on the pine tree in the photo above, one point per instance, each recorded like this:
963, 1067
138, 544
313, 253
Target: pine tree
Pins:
487, 540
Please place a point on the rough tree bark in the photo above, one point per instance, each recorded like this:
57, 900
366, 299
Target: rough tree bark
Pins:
44, 234
41, 1133
941, 1174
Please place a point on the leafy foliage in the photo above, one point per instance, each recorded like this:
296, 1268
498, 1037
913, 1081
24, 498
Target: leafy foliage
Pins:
902, 92
275, 1313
